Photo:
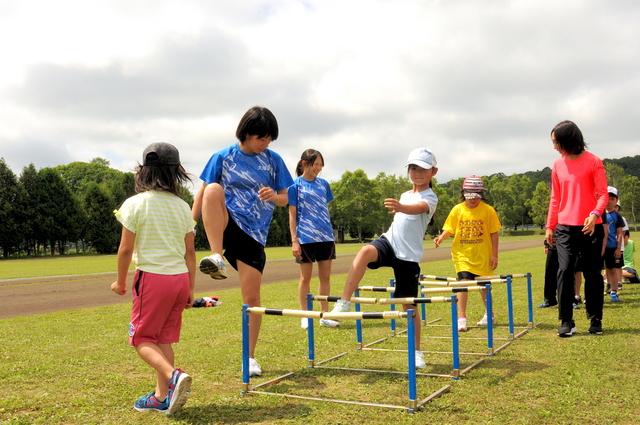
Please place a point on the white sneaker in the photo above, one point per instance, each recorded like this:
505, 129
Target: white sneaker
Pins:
420, 363
485, 321
254, 367
462, 324
341, 306
214, 266
329, 323
304, 323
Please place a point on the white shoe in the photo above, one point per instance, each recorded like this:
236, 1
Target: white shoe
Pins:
254, 367
420, 363
462, 324
214, 266
485, 321
329, 323
304, 323
341, 306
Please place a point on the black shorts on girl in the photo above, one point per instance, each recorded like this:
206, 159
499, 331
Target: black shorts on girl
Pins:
407, 273
466, 276
317, 251
240, 246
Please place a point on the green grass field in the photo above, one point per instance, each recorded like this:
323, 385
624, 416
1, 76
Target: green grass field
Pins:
75, 367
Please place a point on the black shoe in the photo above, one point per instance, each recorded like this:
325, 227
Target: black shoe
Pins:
596, 327
547, 304
567, 329
608, 288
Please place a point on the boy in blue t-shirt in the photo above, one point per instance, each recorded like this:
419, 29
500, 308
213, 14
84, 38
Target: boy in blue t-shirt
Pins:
242, 185
613, 251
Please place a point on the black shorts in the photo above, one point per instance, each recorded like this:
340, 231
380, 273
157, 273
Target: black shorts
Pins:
407, 273
317, 251
240, 246
610, 262
466, 276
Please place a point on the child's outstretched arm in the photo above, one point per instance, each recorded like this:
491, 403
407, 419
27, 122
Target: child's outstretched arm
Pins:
438, 240
411, 209
125, 251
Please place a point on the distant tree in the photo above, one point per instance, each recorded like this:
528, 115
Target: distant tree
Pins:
279, 234
539, 204
615, 174
446, 201
389, 186
9, 237
356, 207
103, 230
60, 209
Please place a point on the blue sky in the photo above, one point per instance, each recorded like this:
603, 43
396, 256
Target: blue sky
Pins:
481, 83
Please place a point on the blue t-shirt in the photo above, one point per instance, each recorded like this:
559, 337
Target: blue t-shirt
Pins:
312, 219
614, 219
242, 175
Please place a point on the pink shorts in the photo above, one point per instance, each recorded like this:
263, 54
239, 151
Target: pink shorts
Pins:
158, 302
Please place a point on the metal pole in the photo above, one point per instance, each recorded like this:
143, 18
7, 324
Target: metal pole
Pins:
245, 349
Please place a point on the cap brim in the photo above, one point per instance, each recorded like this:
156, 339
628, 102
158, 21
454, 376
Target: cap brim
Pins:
420, 164
472, 195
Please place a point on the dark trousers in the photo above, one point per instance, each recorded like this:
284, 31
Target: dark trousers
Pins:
571, 242
551, 276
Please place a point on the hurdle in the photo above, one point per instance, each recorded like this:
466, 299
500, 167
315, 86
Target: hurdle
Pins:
455, 348
412, 405
496, 279
453, 287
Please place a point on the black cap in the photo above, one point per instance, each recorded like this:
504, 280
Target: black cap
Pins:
161, 153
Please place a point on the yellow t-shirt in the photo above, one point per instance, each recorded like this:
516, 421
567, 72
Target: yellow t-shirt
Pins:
472, 228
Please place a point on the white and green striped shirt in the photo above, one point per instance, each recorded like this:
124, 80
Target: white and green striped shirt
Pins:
160, 221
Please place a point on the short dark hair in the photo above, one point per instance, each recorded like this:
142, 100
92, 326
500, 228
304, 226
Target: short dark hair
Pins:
569, 137
257, 121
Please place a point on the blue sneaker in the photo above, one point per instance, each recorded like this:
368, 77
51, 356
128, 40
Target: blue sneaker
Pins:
149, 403
614, 297
179, 386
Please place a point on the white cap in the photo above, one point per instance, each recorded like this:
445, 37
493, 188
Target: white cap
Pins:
422, 157
612, 190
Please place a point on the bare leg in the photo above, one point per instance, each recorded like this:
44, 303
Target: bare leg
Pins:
250, 280
214, 216
366, 255
156, 357
324, 275
303, 285
612, 279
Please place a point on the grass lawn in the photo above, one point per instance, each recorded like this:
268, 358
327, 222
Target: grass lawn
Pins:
76, 367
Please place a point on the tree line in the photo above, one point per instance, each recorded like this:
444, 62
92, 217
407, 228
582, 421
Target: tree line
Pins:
70, 207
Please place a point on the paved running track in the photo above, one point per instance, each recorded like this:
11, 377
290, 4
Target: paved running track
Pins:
26, 297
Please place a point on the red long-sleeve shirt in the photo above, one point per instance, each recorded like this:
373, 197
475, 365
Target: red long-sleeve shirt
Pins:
578, 187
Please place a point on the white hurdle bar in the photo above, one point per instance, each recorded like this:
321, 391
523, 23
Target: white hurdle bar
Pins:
412, 405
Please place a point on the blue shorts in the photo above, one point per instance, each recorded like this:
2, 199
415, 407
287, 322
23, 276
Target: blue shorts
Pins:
407, 273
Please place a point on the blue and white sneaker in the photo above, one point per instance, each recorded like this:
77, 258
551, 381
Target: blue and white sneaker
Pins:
214, 266
149, 403
420, 363
179, 386
614, 297
329, 323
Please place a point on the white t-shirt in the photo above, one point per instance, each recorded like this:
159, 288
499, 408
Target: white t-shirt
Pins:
407, 231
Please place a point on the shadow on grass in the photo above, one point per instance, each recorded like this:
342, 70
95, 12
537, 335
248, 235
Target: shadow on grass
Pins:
226, 414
